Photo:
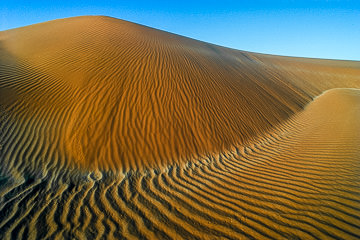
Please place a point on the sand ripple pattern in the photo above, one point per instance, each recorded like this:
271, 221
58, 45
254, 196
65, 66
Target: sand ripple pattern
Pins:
272, 189
111, 130
110, 94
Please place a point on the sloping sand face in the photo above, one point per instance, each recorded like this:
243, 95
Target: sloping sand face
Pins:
110, 129
115, 95
123, 96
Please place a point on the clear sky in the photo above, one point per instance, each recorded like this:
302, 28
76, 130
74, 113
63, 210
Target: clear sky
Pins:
310, 28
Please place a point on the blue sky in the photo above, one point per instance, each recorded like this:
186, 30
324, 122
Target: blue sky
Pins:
310, 28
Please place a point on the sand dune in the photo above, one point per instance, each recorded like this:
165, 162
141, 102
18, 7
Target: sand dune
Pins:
110, 129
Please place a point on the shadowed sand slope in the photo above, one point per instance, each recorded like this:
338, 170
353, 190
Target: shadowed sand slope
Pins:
110, 129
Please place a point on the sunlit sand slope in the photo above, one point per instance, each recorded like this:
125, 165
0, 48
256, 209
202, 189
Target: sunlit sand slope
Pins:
301, 181
114, 130
106, 93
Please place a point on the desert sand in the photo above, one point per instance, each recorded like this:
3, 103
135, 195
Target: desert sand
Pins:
114, 130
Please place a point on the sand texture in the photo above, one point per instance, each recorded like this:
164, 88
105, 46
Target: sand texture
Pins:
113, 130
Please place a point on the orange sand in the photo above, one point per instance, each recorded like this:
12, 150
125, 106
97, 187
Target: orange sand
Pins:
110, 129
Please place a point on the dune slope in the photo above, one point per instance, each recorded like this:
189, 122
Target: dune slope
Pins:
110, 129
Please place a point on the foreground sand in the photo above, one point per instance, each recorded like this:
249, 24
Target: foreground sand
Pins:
110, 129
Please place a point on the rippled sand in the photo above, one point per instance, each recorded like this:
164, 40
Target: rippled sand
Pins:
110, 129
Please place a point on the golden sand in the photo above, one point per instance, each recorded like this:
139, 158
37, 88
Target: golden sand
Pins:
109, 129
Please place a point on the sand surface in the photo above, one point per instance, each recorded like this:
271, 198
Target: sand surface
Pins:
113, 130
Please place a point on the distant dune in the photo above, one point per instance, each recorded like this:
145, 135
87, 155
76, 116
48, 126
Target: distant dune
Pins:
110, 129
